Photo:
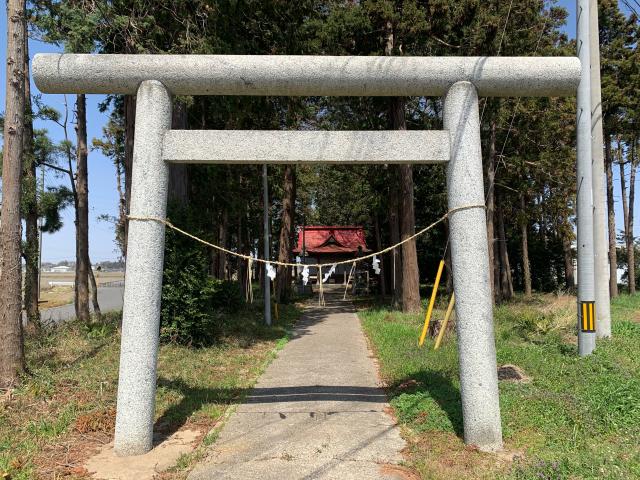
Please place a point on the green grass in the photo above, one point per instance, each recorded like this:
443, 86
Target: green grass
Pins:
577, 418
66, 403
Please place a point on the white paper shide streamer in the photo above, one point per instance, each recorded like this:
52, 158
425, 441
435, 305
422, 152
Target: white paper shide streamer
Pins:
271, 272
329, 273
305, 275
376, 264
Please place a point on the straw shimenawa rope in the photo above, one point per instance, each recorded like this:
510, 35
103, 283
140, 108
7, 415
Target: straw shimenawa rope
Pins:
249, 290
288, 264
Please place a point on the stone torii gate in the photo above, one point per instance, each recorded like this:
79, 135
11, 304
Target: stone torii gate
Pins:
155, 78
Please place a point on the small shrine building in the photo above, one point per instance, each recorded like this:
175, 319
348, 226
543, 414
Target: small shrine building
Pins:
330, 244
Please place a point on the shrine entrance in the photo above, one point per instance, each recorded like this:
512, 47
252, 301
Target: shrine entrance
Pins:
155, 78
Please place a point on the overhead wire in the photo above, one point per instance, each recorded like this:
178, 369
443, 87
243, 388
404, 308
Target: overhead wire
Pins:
504, 30
484, 106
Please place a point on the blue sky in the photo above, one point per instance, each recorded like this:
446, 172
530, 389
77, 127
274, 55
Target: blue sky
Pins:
103, 196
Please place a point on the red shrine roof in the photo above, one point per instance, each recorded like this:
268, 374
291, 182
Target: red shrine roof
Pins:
325, 239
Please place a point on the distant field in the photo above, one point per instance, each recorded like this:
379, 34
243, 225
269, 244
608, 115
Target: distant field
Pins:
54, 296
101, 277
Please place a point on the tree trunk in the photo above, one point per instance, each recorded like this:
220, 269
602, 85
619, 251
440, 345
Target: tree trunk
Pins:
223, 229
293, 236
526, 268
383, 284
623, 194
30, 201
82, 213
569, 274
178, 191
129, 132
613, 261
283, 277
410, 272
496, 260
94, 295
448, 268
11, 342
122, 211
491, 234
396, 254
506, 282
242, 264
631, 253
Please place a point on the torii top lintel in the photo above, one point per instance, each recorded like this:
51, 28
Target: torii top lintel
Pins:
291, 75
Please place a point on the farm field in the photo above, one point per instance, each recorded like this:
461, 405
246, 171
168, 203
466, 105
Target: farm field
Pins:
56, 295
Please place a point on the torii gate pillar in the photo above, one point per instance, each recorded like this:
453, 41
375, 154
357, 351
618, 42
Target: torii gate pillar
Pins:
470, 259
145, 259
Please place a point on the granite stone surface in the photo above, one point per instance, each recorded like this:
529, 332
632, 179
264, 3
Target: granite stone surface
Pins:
300, 75
286, 146
470, 259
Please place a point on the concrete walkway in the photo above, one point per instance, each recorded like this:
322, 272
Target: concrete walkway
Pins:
317, 411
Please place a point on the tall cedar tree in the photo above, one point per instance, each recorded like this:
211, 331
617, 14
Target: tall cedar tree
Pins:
30, 205
82, 213
618, 45
283, 278
11, 340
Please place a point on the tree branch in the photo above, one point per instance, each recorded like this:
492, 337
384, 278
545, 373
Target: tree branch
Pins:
55, 167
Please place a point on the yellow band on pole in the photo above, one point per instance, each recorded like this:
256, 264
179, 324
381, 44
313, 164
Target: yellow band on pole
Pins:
443, 327
427, 318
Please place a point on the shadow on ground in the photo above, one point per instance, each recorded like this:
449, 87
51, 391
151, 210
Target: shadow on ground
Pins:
435, 385
194, 398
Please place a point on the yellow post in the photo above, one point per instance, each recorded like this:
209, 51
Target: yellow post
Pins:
277, 313
427, 318
443, 327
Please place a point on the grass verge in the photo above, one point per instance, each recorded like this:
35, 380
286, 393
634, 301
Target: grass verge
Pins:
65, 407
576, 418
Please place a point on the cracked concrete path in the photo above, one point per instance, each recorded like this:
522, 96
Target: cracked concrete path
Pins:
316, 412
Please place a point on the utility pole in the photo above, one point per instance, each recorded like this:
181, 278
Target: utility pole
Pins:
600, 244
586, 287
267, 249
